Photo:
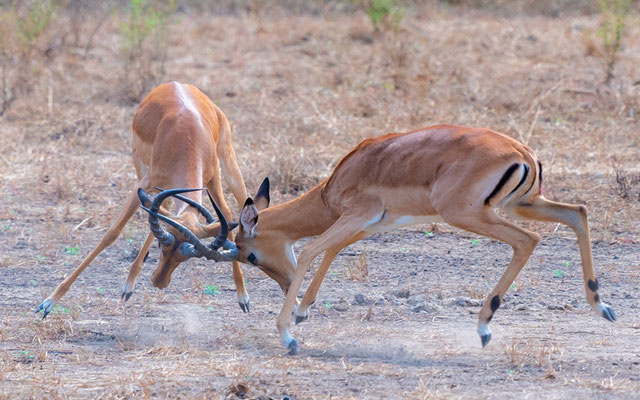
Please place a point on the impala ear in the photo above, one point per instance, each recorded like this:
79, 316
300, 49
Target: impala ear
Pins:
249, 216
232, 225
145, 199
262, 197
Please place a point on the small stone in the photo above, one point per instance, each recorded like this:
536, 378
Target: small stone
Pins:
467, 302
360, 300
417, 303
380, 301
560, 307
403, 293
341, 305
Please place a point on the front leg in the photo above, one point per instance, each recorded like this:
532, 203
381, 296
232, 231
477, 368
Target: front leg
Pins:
241, 291
136, 267
215, 189
310, 296
302, 311
109, 237
345, 228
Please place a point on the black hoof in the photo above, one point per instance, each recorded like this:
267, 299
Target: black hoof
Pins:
126, 296
485, 339
609, 314
45, 309
301, 318
293, 347
245, 307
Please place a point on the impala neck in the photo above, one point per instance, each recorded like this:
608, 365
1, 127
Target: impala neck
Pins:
302, 217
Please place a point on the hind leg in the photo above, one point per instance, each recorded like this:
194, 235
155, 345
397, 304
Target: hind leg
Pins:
487, 223
575, 217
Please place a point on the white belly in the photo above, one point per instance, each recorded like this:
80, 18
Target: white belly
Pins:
391, 222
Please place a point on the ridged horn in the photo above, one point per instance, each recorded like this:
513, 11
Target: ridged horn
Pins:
207, 215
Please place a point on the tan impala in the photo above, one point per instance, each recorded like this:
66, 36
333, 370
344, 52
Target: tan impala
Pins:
455, 174
180, 139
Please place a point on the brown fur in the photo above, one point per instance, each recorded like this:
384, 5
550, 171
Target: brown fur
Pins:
442, 171
180, 140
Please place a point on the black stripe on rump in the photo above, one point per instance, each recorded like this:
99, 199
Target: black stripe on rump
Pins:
540, 172
503, 181
524, 177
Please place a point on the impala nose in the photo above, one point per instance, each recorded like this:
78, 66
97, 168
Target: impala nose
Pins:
162, 276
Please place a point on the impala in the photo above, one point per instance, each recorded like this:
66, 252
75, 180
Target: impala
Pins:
180, 138
455, 174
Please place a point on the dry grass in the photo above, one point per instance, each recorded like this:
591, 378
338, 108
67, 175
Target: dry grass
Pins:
300, 98
301, 86
523, 353
627, 184
358, 269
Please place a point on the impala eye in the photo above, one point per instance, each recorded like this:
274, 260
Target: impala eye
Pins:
252, 259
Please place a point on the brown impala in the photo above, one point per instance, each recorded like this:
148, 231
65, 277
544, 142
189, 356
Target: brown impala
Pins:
442, 173
180, 139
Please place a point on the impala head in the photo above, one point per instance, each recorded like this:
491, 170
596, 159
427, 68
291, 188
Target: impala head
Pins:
264, 248
180, 239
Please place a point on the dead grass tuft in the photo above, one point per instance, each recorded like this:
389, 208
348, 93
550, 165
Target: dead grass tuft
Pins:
521, 353
358, 269
627, 184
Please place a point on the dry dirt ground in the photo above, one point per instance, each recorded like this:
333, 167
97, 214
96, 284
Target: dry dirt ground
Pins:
300, 90
406, 332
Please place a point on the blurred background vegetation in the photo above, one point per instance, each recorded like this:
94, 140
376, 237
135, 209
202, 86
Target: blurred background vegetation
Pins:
34, 29
303, 81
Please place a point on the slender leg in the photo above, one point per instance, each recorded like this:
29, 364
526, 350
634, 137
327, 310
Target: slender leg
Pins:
215, 188
229, 164
109, 237
136, 267
486, 222
342, 230
241, 290
575, 217
302, 311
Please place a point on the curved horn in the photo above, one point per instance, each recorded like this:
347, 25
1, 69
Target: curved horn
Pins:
207, 215
191, 238
164, 238
221, 239
194, 247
